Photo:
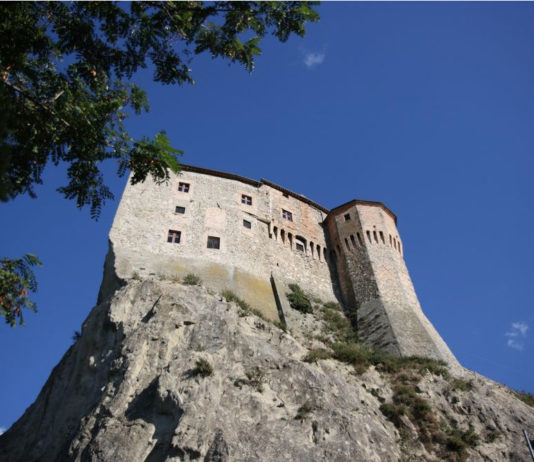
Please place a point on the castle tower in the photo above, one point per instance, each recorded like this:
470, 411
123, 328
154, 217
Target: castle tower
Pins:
373, 277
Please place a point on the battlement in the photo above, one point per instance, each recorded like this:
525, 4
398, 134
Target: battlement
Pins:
256, 237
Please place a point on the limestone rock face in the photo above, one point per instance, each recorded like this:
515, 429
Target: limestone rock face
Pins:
135, 387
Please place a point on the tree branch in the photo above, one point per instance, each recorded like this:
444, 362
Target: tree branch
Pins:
16, 89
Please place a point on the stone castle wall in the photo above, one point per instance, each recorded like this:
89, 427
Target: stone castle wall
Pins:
289, 250
268, 237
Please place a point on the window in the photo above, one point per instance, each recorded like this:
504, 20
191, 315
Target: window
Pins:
347, 216
174, 236
179, 209
214, 242
287, 215
247, 224
183, 187
300, 244
247, 200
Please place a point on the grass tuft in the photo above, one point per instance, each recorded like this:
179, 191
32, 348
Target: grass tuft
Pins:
525, 396
461, 385
315, 354
202, 368
191, 280
298, 300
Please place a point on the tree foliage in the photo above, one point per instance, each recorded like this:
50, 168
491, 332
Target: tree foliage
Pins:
66, 86
65, 81
16, 280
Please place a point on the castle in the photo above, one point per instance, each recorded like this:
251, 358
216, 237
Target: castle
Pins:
255, 238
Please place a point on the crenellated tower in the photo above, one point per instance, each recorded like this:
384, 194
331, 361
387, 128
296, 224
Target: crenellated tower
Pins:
373, 277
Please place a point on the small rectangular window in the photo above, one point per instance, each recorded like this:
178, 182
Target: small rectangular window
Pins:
179, 209
247, 200
174, 236
287, 215
214, 242
299, 247
247, 224
347, 216
183, 187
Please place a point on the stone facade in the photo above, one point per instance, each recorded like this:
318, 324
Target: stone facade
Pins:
255, 238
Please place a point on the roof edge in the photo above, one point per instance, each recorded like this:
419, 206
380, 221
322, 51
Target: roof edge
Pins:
229, 176
348, 204
257, 184
295, 195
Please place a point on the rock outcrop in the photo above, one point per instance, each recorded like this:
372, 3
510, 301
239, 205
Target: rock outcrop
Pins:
165, 371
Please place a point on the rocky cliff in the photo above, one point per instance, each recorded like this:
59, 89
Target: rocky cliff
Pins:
168, 371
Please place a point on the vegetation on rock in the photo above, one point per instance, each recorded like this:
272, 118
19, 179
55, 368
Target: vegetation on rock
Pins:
298, 300
191, 280
202, 368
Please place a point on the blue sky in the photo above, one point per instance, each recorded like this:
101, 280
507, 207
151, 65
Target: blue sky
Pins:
427, 107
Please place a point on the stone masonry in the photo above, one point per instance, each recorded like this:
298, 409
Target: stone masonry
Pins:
255, 238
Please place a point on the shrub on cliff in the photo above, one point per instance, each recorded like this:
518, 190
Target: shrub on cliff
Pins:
298, 300
191, 280
202, 368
